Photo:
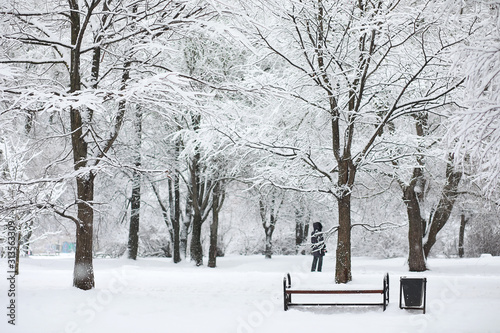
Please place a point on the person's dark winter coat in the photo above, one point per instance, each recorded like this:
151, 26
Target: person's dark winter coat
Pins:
318, 246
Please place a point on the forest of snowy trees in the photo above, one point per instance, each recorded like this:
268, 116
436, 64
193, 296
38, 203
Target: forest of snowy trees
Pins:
195, 128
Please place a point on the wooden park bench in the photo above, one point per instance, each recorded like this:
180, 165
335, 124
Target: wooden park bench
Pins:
288, 292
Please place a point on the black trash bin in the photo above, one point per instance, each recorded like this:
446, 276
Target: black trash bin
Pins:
414, 292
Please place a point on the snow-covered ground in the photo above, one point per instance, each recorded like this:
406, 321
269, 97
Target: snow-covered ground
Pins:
243, 295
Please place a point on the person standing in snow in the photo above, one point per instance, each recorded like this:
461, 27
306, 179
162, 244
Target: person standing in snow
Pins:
318, 246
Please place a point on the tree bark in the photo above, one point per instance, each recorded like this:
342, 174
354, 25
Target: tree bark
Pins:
343, 261
346, 177
461, 235
174, 197
197, 195
171, 216
416, 258
445, 205
270, 225
186, 225
135, 199
412, 199
174, 200
200, 192
135, 202
268, 252
196, 249
214, 227
83, 275
301, 228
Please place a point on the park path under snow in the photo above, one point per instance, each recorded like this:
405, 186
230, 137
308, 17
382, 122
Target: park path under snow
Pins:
243, 295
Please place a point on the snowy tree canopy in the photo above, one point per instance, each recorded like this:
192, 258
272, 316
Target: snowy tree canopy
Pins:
475, 125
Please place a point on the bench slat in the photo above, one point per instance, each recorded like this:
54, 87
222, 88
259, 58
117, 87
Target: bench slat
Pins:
292, 291
334, 304
287, 294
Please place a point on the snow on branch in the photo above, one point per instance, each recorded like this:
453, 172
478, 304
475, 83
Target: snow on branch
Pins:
368, 227
32, 61
474, 129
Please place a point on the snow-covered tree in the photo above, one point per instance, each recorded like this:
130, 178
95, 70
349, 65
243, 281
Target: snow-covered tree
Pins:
356, 67
80, 63
474, 129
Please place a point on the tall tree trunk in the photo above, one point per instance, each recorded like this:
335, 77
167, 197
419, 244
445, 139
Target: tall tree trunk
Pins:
196, 249
445, 205
175, 212
83, 275
268, 252
214, 227
269, 225
135, 207
178, 254
171, 215
200, 192
135, 200
186, 225
301, 228
416, 224
463, 222
416, 258
347, 174
343, 261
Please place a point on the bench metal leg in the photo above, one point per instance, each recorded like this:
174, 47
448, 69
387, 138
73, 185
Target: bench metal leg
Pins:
285, 296
425, 293
386, 290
